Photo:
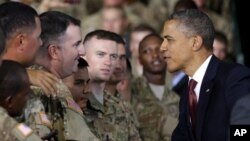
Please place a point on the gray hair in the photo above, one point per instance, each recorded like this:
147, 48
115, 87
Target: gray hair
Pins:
195, 22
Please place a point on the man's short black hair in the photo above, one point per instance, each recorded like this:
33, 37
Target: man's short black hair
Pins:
16, 17
12, 78
104, 35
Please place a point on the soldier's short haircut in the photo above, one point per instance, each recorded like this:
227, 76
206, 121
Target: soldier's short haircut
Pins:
141, 44
16, 17
194, 22
13, 79
54, 25
119, 9
143, 28
82, 63
2, 41
104, 35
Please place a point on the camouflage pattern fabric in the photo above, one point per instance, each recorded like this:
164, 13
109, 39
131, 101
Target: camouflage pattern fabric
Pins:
62, 112
11, 130
157, 118
111, 121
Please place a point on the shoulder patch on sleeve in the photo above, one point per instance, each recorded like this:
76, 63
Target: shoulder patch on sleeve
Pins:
73, 105
21, 131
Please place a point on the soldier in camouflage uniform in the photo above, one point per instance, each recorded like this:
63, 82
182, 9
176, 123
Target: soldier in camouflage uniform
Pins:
136, 35
156, 106
78, 84
95, 21
62, 46
106, 115
19, 20
117, 76
74, 8
14, 90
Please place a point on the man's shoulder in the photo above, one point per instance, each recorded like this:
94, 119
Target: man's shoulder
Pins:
10, 129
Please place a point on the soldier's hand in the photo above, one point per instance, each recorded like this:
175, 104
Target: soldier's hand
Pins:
51, 136
45, 80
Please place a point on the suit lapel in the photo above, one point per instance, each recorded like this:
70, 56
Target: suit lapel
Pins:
205, 93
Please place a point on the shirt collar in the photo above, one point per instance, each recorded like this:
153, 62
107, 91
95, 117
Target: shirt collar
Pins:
200, 72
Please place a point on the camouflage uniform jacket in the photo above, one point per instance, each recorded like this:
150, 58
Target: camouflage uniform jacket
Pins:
11, 130
60, 113
157, 118
111, 121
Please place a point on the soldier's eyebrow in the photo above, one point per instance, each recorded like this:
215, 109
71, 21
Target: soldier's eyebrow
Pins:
77, 43
123, 56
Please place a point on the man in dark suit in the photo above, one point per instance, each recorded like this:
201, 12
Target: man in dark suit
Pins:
241, 111
214, 86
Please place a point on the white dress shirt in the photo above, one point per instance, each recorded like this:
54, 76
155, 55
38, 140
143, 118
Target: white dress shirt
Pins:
199, 75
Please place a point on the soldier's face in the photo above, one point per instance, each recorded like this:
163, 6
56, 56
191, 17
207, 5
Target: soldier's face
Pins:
32, 44
112, 20
110, 3
101, 56
120, 65
136, 38
78, 84
71, 45
151, 57
219, 49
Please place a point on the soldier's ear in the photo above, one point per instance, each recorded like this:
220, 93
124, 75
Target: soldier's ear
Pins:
54, 51
20, 41
8, 102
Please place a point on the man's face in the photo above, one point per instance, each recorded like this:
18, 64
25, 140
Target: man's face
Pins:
101, 56
112, 20
219, 49
136, 38
176, 47
78, 84
32, 43
150, 56
70, 48
120, 65
110, 3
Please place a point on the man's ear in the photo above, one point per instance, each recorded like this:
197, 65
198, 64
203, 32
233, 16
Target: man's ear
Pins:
53, 51
8, 102
197, 43
20, 41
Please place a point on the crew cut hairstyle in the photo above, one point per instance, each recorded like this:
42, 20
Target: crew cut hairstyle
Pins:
54, 25
104, 35
142, 43
13, 79
194, 22
17, 17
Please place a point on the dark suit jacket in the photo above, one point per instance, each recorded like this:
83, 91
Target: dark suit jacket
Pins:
222, 85
180, 87
241, 111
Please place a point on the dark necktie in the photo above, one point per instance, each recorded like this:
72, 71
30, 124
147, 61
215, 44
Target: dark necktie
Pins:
192, 103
